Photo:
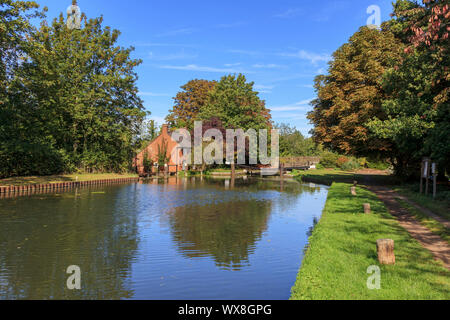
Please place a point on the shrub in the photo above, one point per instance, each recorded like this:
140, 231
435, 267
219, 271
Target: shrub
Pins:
351, 165
378, 165
329, 160
341, 161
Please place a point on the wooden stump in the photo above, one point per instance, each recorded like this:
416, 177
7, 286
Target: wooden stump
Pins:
353, 191
367, 209
385, 249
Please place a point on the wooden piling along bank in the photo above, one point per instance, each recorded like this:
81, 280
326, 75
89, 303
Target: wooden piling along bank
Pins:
14, 191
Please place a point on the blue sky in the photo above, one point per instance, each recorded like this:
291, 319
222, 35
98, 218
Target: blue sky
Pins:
279, 45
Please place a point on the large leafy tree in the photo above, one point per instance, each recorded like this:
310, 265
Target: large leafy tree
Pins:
352, 94
236, 104
293, 143
15, 30
189, 102
418, 109
76, 91
14, 26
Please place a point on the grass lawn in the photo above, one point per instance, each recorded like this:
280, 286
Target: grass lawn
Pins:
434, 226
328, 176
439, 207
343, 246
19, 181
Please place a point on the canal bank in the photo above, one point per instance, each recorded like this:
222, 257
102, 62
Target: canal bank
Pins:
343, 246
28, 189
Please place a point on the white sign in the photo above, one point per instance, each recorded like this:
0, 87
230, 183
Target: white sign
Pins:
425, 169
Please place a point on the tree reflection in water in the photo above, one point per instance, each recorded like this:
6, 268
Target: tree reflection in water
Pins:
43, 235
228, 233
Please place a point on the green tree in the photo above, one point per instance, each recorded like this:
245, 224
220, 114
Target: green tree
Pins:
82, 88
294, 144
189, 102
23, 150
14, 27
418, 109
352, 94
236, 104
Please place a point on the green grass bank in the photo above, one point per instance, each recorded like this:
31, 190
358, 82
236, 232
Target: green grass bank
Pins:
343, 246
440, 206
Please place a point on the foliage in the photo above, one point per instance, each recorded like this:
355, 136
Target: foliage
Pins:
163, 157
350, 165
149, 131
351, 94
418, 110
14, 27
293, 143
189, 102
147, 163
328, 159
236, 104
71, 103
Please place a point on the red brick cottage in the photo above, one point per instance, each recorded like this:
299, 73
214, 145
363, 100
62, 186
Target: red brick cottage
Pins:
151, 150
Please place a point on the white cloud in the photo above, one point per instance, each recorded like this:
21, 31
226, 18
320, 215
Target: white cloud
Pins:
177, 32
291, 116
174, 56
298, 106
152, 94
263, 88
232, 64
194, 67
160, 44
310, 56
289, 13
267, 66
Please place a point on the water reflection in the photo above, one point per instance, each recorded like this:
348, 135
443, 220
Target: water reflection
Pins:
41, 236
227, 233
172, 238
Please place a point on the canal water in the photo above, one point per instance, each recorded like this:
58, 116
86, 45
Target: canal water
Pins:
169, 239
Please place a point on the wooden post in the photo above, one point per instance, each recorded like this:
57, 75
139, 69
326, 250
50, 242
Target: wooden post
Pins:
427, 175
367, 209
433, 170
281, 171
385, 250
353, 189
421, 177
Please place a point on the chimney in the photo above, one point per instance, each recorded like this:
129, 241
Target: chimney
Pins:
165, 129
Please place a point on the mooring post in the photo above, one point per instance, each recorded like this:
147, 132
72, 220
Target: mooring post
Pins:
385, 250
353, 189
367, 209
